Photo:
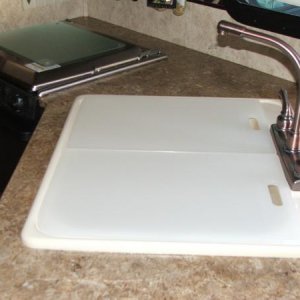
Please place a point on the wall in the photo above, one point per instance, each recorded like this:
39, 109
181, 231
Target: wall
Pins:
196, 29
12, 14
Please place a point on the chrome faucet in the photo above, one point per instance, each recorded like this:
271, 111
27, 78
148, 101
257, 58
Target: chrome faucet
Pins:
286, 131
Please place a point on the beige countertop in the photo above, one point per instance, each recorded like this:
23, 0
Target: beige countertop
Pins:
37, 274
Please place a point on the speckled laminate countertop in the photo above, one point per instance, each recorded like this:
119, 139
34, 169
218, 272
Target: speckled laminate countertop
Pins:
34, 274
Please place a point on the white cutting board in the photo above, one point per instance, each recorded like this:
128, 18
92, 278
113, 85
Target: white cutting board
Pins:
166, 175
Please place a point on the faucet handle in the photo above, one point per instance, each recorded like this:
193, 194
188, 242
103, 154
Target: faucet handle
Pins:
286, 117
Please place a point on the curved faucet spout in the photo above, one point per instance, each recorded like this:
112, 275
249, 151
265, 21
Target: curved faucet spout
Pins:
286, 131
224, 27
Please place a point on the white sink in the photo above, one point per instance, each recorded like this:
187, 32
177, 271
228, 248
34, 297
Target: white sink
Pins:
167, 175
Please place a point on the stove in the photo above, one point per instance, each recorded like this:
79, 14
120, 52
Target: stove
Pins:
38, 60
42, 59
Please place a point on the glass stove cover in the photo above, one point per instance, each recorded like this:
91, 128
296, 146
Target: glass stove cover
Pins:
57, 43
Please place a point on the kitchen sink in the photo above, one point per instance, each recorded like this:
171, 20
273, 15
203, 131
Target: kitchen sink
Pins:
167, 175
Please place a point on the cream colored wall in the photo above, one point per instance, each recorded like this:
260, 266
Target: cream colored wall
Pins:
12, 14
196, 29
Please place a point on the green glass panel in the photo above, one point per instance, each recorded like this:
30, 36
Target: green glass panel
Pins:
56, 43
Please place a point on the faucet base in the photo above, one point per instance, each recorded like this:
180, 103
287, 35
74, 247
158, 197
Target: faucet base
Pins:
290, 161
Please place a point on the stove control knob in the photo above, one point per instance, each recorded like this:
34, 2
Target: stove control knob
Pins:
18, 103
